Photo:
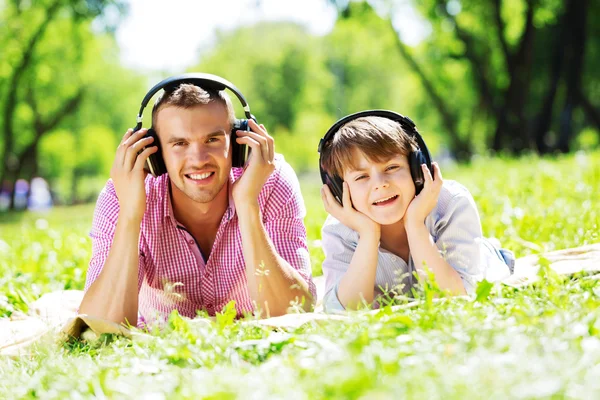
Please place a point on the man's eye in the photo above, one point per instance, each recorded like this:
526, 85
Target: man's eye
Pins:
178, 143
212, 140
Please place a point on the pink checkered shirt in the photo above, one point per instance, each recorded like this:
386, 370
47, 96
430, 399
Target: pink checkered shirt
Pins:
172, 272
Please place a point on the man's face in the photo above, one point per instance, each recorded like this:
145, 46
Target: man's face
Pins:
196, 149
382, 191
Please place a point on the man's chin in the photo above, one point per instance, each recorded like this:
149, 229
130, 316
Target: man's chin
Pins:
201, 197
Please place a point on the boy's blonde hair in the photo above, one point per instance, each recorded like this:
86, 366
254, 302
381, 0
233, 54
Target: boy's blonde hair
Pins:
378, 138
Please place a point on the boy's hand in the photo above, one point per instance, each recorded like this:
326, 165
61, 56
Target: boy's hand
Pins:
128, 173
420, 207
347, 214
259, 167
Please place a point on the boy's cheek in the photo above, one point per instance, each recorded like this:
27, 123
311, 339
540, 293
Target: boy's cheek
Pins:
354, 193
359, 201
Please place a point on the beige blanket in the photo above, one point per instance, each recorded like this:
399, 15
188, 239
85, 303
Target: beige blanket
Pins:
56, 312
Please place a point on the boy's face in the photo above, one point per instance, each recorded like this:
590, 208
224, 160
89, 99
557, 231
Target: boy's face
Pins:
196, 149
382, 191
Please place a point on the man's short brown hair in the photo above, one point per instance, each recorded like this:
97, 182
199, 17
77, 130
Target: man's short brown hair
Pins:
378, 138
188, 95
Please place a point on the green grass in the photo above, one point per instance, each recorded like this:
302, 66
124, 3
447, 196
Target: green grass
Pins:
542, 341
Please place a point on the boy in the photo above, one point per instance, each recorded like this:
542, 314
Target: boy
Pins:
395, 219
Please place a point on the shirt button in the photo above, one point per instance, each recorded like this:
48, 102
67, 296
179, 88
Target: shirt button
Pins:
191, 242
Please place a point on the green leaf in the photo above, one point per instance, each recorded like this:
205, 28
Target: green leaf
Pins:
484, 288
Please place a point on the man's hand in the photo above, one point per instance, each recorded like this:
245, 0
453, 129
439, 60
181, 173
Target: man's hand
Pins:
128, 173
347, 214
259, 167
420, 207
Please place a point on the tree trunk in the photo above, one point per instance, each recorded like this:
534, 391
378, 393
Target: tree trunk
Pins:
512, 129
575, 52
591, 112
42, 126
544, 117
11, 101
461, 148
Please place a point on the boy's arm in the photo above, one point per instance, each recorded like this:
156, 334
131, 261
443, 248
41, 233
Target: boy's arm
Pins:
357, 285
457, 233
423, 250
425, 254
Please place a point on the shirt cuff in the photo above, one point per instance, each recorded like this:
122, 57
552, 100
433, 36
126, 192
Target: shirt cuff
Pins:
331, 302
469, 283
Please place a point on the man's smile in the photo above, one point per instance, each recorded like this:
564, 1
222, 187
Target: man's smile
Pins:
201, 178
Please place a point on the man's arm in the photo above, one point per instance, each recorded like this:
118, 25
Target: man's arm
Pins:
113, 295
273, 283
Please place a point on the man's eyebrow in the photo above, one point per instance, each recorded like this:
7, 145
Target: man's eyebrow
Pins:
175, 139
216, 133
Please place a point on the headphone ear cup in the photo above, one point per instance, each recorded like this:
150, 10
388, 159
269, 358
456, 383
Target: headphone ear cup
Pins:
239, 152
155, 162
336, 185
415, 160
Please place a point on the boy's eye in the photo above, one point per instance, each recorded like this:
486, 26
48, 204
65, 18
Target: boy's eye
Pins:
360, 177
392, 167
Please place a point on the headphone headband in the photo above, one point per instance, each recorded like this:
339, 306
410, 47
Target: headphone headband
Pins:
208, 81
406, 123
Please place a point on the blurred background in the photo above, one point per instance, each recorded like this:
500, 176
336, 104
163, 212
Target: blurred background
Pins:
479, 78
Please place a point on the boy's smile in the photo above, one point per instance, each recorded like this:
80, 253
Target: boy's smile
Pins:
385, 201
380, 190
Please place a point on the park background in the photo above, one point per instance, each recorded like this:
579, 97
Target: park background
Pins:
505, 92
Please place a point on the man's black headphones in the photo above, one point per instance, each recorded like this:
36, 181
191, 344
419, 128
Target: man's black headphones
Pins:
155, 162
415, 158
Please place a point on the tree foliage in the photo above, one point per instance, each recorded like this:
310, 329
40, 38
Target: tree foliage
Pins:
499, 75
510, 72
54, 74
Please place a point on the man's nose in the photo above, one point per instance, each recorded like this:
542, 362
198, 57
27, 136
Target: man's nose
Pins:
199, 153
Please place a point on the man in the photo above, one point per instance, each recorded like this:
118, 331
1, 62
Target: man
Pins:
204, 233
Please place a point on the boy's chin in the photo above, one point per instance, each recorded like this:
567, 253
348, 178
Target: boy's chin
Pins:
385, 220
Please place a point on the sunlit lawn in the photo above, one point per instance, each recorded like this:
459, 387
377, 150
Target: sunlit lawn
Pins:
541, 341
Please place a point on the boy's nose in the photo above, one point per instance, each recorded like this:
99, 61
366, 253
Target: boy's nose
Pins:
381, 182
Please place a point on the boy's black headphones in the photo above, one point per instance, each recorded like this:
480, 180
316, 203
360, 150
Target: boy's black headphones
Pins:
155, 162
415, 158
